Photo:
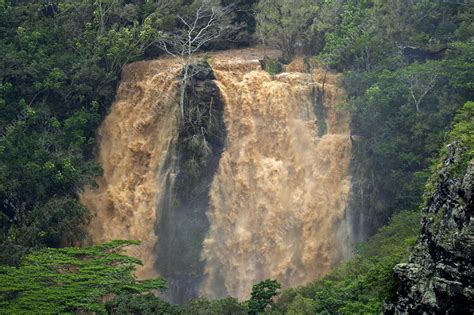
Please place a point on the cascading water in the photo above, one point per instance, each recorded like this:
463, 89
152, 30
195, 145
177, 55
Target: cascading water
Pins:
275, 194
136, 139
278, 200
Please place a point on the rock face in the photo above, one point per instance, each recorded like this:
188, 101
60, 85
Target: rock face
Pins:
438, 279
183, 224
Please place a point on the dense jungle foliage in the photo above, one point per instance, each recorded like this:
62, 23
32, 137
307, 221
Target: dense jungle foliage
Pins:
407, 67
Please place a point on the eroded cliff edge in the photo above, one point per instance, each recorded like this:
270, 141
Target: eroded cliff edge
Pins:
438, 279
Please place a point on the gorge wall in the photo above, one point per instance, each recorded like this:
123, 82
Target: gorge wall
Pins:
252, 184
438, 279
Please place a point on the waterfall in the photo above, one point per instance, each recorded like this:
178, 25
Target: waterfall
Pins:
136, 141
279, 198
275, 193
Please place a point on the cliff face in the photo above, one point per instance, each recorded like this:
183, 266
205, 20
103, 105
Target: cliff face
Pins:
438, 279
182, 223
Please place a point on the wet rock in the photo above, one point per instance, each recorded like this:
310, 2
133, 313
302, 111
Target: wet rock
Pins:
184, 224
201, 71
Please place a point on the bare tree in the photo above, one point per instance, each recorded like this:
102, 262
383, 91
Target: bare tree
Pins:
102, 14
259, 18
207, 24
420, 81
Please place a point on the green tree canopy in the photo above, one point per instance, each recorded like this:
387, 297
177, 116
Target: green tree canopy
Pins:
262, 295
71, 279
285, 24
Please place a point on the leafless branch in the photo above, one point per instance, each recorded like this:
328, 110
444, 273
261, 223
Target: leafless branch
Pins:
419, 85
207, 24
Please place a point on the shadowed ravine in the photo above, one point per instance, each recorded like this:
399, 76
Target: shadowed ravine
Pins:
253, 185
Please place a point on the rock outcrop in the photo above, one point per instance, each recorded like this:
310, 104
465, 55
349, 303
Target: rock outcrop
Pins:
438, 279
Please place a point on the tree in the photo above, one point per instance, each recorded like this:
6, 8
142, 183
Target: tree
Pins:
61, 62
301, 306
116, 34
284, 24
462, 132
226, 306
146, 304
421, 79
262, 295
208, 23
71, 279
